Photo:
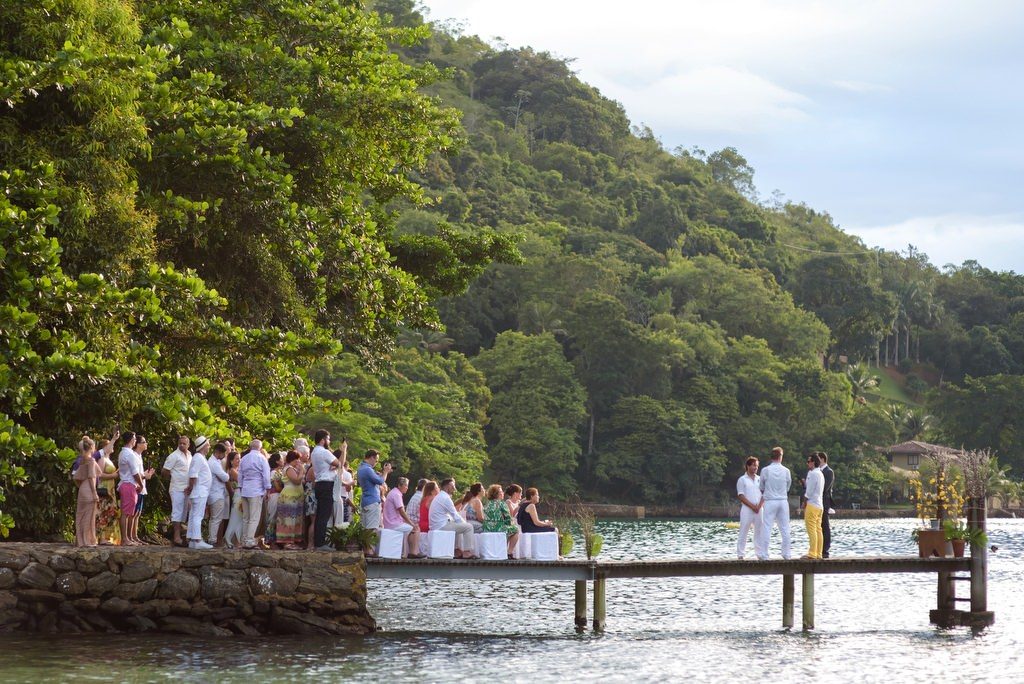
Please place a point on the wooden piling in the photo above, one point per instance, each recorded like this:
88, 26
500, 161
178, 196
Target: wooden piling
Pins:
808, 600
581, 604
599, 609
980, 616
787, 601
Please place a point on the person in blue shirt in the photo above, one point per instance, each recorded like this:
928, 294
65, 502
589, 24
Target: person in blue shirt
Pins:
370, 482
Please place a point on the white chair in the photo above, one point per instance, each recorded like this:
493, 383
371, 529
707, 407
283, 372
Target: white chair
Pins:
543, 545
441, 544
392, 543
523, 547
492, 545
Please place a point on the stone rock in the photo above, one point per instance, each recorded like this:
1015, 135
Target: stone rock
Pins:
136, 591
180, 607
71, 583
99, 622
40, 555
179, 585
87, 604
37, 576
10, 620
318, 579
286, 621
273, 581
39, 595
142, 624
7, 600
48, 623
157, 608
7, 578
200, 610
222, 614
136, 571
117, 606
192, 627
102, 583
91, 562
344, 605
243, 628
221, 583
62, 563
13, 560
169, 563
198, 559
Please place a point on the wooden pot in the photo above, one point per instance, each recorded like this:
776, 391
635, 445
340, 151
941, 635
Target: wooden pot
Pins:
931, 543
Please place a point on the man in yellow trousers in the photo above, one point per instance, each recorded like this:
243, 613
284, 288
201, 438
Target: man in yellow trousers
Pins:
814, 489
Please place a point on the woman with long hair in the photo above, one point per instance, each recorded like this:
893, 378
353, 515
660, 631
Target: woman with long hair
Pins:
430, 491
233, 535
291, 504
85, 477
471, 506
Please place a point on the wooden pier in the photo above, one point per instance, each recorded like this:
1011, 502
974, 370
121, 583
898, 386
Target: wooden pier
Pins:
581, 572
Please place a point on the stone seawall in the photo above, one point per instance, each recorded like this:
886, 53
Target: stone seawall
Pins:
59, 588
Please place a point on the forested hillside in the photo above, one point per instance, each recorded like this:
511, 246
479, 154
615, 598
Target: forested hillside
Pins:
700, 323
247, 217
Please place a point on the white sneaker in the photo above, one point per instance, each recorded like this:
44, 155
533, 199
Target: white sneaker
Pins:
199, 545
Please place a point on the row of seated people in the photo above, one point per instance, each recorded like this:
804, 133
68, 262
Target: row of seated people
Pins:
498, 511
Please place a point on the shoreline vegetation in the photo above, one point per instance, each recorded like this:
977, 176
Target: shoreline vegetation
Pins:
723, 512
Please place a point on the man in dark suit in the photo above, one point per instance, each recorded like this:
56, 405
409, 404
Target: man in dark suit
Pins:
826, 500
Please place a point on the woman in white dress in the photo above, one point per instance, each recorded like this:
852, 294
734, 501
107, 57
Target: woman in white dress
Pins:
233, 535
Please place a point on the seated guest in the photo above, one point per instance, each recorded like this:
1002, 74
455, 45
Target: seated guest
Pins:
513, 495
498, 519
472, 508
413, 509
395, 518
443, 516
527, 516
429, 492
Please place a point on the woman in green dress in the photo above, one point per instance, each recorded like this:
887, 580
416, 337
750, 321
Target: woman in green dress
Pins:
498, 519
291, 505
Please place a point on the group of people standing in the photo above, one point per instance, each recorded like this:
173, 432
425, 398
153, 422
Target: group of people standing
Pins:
764, 503
259, 499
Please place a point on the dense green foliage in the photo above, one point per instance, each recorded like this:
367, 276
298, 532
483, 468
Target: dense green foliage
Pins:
206, 202
246, 145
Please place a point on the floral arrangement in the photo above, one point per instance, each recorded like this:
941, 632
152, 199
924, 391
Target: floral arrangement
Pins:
941, 495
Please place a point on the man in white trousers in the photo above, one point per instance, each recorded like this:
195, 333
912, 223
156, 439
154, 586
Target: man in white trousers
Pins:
198, 491
176, 469
748, 491
775, 483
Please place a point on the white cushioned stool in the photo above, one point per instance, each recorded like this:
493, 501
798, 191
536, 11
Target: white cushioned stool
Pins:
441, 544
391, 543
492, 545
523, 547
543, 545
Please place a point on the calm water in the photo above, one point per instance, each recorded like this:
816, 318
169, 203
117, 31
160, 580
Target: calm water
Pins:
870, 628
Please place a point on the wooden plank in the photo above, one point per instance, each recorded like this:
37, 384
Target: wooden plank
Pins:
434, 569
787, 601
713, 568
581, 604
599, 603
807, 587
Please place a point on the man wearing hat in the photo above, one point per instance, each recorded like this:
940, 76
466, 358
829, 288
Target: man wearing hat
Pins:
176, 468
198, 490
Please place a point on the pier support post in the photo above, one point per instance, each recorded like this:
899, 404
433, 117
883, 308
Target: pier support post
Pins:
787, 601
599, 619
980, 615
581, 604
808, 600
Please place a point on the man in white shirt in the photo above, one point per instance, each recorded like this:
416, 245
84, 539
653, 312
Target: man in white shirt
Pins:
775, 483
748, 491
443, 516
198, 491
218, 501
814, 488
176, 468
325, 471
129, 485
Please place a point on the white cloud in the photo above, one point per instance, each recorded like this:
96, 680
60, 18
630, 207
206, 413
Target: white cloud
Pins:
862, 87
716, 98
995, 241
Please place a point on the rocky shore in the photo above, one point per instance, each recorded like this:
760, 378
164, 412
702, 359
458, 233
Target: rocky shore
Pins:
60, 588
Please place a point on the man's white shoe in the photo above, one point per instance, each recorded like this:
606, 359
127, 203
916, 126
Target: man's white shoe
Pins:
199, 545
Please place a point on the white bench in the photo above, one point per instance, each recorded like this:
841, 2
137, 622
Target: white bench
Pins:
392, 543
441, 544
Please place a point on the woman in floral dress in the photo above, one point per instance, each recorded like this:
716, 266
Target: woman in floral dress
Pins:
291, 505
497, 517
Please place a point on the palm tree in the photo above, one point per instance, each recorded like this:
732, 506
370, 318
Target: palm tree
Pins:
538, 317
861, 379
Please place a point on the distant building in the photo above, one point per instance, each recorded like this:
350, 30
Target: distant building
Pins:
906, 456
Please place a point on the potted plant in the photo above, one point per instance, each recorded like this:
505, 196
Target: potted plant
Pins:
960, 534
354, 537
937, 494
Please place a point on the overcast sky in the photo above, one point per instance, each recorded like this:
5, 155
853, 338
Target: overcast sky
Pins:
904, 120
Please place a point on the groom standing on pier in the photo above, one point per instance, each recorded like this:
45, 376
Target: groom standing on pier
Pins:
775, 483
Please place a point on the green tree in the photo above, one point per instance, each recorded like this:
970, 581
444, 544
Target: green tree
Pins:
537, 408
